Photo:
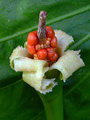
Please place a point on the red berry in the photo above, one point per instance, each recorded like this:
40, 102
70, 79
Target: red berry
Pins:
32, 38
31, 49
54, 58
50, 52
42, 54
54, 42
49, 32
35, 32
38, 47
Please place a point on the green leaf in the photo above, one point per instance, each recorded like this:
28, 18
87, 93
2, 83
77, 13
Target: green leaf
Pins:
18, 101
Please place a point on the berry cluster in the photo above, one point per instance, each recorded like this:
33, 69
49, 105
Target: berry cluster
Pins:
43, 51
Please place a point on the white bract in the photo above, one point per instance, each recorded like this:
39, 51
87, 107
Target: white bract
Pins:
34, 70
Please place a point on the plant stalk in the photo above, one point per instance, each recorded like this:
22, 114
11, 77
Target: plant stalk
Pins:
42, 26
53, 103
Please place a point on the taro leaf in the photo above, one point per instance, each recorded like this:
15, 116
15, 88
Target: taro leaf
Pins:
18, 101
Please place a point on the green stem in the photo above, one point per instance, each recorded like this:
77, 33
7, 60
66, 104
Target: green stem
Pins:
53, 103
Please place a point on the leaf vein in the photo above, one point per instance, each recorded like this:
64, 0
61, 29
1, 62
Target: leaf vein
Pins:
76, 12
80, 42
75, 86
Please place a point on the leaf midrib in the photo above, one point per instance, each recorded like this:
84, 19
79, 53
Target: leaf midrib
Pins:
57, 19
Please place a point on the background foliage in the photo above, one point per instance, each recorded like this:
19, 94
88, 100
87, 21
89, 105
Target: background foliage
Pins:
18, 101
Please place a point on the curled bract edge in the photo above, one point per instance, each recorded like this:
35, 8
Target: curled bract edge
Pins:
68, 63
64, 41
34, 70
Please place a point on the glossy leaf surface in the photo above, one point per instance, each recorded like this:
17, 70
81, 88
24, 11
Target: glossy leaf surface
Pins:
18, 101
